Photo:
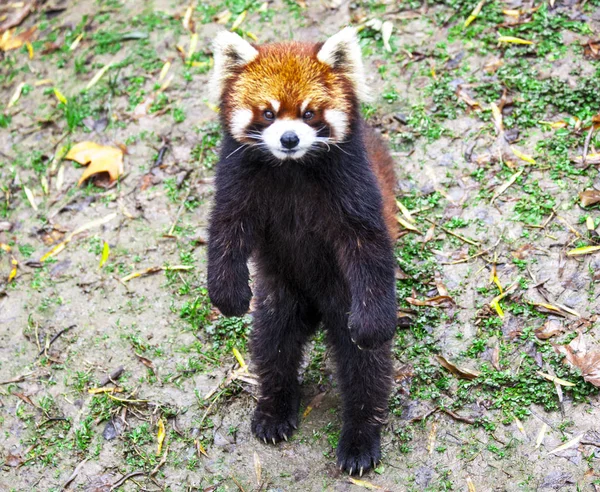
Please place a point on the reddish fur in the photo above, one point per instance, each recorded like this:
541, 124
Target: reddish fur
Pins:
382, 165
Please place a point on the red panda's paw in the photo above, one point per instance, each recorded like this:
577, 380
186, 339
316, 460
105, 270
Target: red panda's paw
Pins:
273, 425
359, 449
369, 333
232, 302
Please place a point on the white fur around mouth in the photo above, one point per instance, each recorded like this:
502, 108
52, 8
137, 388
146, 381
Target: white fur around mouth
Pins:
272, 138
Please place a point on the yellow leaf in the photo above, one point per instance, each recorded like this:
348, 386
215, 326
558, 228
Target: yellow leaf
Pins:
223, 17
470, 485
16, 95
496, 305
160, 436
585, 250
105, 253
193, 44
75, 43
54, 251
200, 448
589, 223
569, 444
520, 427
98, 76
497, 117
100, 159
164, 70
540, 436
38, 83
513, 40
252, 36
475, 13
554, 379
96, 391
239, 358
522, 156
501, 189
405, 212
30, 197
238, 21
29, 47
407, 225
213, 107
13, 270
512, 12
60, 96
5, 247
187, 17
365, 484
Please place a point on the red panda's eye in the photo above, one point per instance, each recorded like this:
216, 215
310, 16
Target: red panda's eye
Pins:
269, 115
308, 115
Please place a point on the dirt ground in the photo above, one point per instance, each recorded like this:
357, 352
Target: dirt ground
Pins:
485, 132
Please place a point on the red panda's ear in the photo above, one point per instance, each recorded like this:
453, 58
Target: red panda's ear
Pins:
229, 51
342, 52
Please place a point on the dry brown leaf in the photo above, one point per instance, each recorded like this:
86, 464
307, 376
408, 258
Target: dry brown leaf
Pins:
314, 403
591, 49
460, 372
582, 357
9, 42
100, 158
589, 197
549, 329
435, 301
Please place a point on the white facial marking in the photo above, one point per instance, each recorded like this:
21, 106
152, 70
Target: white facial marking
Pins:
304, 106
338, 121
275, 105
272, 138
240, 119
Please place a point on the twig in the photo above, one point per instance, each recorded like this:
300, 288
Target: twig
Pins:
74, 474
586, 146
17, 379
161, 462
237, 483
455, 416
54, 338
425, 415
458, 236
161, 155
124, 479
112, 377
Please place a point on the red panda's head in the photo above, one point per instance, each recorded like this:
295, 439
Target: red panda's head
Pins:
289, 98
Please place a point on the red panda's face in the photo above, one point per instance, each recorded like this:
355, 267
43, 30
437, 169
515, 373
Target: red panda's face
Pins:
289, 99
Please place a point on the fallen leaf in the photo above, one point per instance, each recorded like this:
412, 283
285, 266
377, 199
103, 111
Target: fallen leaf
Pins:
9, 42
106, 389
591, 49
569, 444
16, 95
14, 460
549, 329
513, 40
257, 468
589, 197
59, 95
457, 371
589, 159
75, 43
541, 435
474, 14
105, 253
100, 158
13, 270
200, 448
580, 356
364, 484
314, 403
160, 437
386, 32
501, 189
30, 197
522, 156
470, 485
407, 225
98, 76
584, 250
435, 301
554, 379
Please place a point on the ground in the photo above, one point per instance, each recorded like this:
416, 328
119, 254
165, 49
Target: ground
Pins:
486, 133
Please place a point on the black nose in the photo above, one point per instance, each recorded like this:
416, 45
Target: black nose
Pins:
289, 140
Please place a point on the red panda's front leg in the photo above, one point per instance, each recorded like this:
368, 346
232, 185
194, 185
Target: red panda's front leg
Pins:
367, 262
229, 247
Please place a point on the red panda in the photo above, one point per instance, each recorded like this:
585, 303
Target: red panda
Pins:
305, 189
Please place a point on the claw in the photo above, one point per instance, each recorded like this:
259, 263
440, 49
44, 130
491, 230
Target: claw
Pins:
359, 347
294, 426
361, 471
341, 467
350, 472
285, 437
273, 439
265, 439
